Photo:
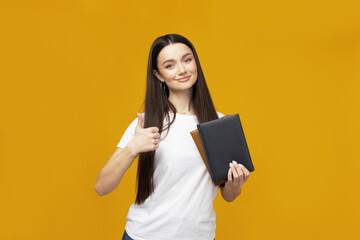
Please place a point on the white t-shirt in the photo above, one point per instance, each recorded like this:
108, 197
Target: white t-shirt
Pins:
181, 206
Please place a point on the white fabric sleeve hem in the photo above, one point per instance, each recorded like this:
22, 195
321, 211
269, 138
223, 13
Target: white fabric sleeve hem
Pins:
220, 115
128, 134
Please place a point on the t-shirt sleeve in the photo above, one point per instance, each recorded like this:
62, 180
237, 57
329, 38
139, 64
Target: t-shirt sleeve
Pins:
220, 115
128, 134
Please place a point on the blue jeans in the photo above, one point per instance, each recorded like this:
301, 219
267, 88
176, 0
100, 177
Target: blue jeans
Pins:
127, 237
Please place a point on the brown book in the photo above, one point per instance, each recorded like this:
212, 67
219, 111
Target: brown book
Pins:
195, 135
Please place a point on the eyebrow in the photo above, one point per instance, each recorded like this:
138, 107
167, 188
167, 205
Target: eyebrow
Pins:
169, 60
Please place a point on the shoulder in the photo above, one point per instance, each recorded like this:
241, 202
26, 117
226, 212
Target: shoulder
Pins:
135, 120
220, 115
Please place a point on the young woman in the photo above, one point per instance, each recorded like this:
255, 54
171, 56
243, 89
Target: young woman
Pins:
175, 193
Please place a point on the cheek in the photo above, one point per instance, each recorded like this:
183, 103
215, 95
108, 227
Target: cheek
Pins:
169, 75
193, 68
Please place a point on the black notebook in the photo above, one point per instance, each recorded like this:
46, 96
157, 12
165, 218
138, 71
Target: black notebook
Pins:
223, 140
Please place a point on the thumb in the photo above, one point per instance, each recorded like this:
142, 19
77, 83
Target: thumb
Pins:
140, 122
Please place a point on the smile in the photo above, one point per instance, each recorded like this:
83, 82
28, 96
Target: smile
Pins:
183, 79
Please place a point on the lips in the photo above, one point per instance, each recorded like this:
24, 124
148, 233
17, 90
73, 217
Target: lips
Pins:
183, 79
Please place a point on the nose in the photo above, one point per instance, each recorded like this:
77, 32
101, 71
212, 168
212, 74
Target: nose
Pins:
182, 69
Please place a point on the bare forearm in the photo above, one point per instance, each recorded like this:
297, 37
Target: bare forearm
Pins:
110, 176
230, 194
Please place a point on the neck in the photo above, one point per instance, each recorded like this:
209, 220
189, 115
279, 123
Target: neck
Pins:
181, 101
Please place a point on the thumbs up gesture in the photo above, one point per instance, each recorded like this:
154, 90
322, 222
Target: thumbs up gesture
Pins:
145, 139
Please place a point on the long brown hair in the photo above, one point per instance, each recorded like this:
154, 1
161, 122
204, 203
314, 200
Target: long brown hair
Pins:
157, 106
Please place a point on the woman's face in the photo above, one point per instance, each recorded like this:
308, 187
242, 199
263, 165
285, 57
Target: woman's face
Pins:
176, 61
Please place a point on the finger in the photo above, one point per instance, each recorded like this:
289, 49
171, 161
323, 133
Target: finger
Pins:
229, 175
246, 172
155, 146
236, 176
154, 129
140, 122
239, 171
156, 135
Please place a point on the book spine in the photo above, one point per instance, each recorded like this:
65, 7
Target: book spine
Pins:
206, 153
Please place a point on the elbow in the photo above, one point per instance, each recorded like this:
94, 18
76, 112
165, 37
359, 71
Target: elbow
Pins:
98, 186
229, 200
230, 197
98, 190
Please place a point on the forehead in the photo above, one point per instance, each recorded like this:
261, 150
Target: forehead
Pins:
173, 51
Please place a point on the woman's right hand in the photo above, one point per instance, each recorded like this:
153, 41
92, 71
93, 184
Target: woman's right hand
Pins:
145, 139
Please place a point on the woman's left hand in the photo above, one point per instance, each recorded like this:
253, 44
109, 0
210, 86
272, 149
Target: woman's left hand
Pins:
237, 176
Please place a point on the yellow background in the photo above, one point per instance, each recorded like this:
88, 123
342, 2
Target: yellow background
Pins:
73, 77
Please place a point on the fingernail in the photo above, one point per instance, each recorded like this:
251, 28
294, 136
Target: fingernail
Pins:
234, 162
230, 164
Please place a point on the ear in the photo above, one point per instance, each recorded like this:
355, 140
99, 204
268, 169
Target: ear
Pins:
158, 75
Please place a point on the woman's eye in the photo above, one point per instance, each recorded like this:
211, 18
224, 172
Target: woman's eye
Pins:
168, 65
188, 59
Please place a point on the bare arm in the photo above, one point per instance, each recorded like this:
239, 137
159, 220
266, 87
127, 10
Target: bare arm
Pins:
229, 196
144, 140
109, 177
237, 176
